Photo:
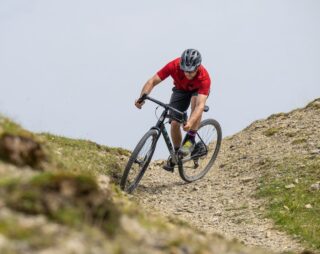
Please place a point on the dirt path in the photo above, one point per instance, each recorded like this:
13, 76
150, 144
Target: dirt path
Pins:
222, 202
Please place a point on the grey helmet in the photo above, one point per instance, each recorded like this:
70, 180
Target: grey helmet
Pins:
190, 60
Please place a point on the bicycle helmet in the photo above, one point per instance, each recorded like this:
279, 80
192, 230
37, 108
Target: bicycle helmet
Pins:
190, 60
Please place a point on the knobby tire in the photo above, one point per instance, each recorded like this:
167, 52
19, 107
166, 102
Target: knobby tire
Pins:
204, 169
125, 184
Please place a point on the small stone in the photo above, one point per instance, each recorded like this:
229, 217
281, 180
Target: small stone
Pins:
290, 186
225, 202
315, 186
247, 179
218, 213
268, 234
261, 208
308, 206
215, 219
314, 152
103, 182
296, 180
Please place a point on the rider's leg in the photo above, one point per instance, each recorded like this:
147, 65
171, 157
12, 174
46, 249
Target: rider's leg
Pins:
189, 139
196, 125
179, 100
176, 140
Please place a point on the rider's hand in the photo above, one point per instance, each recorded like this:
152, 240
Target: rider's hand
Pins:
139, 105
187, 126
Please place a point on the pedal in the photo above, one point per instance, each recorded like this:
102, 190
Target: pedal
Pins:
137, 161
168, 168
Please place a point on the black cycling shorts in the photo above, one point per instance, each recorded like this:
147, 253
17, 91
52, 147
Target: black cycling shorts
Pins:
180, 100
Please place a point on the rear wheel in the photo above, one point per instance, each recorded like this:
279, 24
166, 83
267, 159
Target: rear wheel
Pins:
139, 161
208, 141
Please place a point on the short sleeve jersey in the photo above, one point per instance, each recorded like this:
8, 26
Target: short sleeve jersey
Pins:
200, 83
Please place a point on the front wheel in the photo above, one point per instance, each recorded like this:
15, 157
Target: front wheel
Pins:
139, 161
207, 146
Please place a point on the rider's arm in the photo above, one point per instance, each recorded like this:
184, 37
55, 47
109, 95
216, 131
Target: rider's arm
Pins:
147, 88
151, 83
197, 113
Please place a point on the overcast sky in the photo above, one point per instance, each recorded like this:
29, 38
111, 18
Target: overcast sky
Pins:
75, 67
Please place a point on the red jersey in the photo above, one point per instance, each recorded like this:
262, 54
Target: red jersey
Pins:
201, 82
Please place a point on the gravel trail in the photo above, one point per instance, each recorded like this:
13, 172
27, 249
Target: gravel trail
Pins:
224, 200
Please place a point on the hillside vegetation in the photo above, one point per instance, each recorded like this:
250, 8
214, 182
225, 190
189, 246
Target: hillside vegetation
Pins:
60, 195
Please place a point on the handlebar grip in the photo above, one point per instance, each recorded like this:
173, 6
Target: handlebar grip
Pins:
142, 98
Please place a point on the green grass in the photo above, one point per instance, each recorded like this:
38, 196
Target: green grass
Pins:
299, 141
67, 198
297, 220
9, 127
85, 156
270, 132
12, 229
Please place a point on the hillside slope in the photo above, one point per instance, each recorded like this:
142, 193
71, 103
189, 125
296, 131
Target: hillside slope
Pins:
58, 195
263, 172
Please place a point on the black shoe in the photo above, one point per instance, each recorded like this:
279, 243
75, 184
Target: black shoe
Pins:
169, 166
199, 149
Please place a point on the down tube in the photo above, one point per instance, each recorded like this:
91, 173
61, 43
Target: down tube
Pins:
167, 139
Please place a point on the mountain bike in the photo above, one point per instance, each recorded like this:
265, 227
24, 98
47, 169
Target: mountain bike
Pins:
191, 167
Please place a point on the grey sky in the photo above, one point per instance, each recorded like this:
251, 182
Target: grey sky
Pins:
74, 67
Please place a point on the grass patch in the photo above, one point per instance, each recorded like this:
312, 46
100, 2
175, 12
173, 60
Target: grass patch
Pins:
86, 156
287, 206
9, 127
314, 104
12, 229
21, 147
278, 115
63, 197
291, 134
299, 141
270, 132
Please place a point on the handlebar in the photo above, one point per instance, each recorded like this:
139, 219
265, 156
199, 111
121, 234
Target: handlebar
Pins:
166, 106
184, 116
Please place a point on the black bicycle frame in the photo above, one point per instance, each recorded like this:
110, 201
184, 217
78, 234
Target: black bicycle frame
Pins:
160, 127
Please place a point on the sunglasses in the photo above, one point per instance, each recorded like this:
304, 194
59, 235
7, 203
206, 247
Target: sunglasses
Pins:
191, 72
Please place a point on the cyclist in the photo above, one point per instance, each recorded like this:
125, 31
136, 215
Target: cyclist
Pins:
191, 84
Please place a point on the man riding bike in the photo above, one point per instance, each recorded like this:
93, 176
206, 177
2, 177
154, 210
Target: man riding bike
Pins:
191, 84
